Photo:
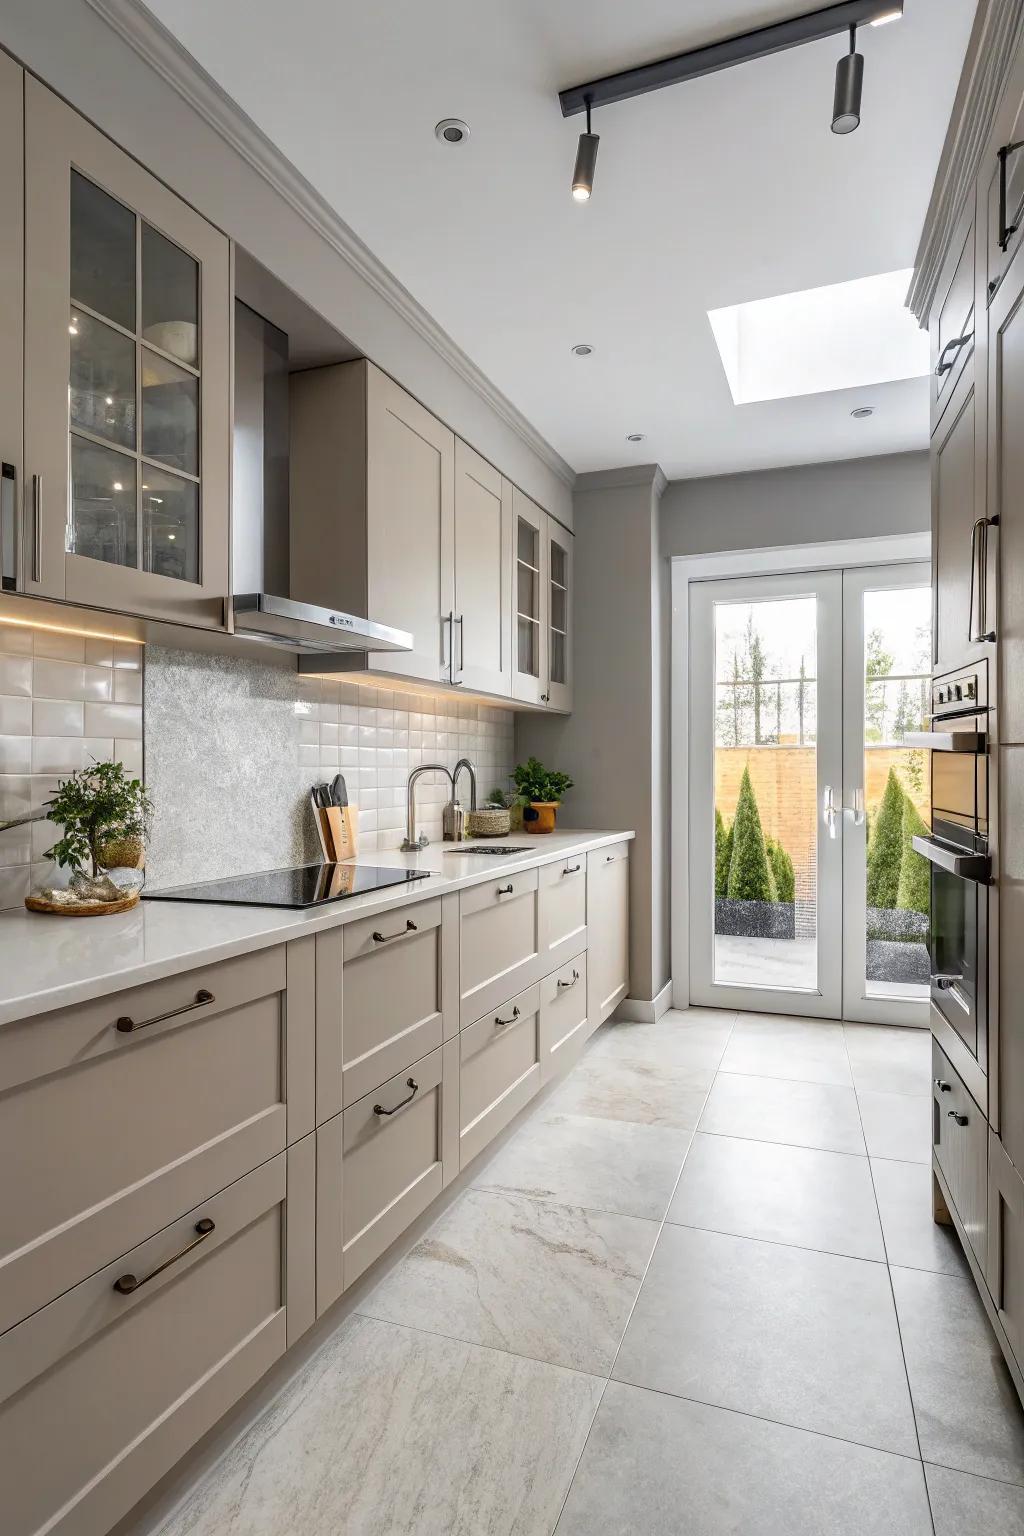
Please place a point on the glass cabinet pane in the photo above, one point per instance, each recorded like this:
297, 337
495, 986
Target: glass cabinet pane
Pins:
170, 297
528, 592
529, 647
102, 252
170, 525
103, 511
102, 394
559, 566
557, 657
170, 413
558, 601
528, 544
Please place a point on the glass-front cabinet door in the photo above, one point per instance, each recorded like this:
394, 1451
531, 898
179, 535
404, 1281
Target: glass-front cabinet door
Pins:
559, 616
126, 381
529, 606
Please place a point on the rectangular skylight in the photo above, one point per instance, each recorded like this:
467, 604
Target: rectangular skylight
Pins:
838, 337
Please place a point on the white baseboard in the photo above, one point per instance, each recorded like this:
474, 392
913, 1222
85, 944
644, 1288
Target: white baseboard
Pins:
638, 1010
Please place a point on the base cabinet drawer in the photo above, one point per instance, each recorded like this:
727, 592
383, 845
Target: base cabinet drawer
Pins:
499, 1070
379, 1165
563, 910
107, 1387
1004, 1269
960, 1144
499, 942
121, 1113
564, 1021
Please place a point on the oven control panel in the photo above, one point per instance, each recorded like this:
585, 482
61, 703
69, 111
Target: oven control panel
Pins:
961, 691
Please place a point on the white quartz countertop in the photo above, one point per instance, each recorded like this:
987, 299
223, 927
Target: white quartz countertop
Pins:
49, 962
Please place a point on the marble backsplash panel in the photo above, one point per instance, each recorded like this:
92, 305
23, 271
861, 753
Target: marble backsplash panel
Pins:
233, 745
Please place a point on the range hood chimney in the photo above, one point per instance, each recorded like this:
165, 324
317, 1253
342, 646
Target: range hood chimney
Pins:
263, 609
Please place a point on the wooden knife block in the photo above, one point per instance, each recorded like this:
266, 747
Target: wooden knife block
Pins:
336, 827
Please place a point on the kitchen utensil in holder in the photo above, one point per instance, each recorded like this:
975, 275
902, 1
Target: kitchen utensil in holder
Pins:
336, 830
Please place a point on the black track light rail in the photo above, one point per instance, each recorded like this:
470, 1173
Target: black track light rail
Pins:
809, 28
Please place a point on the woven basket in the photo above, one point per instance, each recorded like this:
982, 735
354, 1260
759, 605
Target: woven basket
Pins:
492, 822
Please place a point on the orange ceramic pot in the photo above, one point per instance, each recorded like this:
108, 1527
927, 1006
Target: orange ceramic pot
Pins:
539, 816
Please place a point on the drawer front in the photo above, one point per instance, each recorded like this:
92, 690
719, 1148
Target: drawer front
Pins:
498, 942
500, 1070
114, 1132
1004, 1269
392, 1161
564, 1021
164, 1361
563, 910
960, 1143
391, 997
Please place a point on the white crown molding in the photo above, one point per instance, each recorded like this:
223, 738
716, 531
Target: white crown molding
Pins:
998, 30
624, 475
161, 50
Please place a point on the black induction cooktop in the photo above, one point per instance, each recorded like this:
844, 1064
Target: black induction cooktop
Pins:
308, 885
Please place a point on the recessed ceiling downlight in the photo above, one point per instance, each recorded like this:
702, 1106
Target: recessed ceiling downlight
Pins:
582, 349
636, 437
452, 130
862, 411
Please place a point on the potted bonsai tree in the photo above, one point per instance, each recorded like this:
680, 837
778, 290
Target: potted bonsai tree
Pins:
103, 813
541, 790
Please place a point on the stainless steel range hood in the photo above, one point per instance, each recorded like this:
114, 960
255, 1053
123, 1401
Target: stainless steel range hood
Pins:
262, 528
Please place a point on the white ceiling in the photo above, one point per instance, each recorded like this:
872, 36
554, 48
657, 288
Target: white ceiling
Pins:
707, 194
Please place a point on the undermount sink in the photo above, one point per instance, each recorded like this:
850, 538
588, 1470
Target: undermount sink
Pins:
495, 851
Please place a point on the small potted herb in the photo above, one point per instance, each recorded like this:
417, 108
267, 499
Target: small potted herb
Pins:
104, 815
541, 789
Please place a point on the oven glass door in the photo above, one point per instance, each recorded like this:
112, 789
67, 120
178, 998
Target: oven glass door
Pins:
956, 986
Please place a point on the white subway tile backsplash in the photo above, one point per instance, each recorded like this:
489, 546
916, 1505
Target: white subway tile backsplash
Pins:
127, 687
15, 671
15, 716
15, 754
114, 720
59, 646
65, 680
58, 717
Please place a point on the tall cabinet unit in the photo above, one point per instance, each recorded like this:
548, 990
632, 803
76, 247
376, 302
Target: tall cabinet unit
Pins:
12, 300
127, 404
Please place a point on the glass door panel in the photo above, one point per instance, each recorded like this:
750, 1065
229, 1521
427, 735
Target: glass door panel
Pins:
528, 593
103, 253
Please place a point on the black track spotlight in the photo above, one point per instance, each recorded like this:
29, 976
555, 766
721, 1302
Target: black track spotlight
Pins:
849, 85
586, 163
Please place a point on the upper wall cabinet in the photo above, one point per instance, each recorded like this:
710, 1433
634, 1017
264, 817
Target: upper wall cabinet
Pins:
12, 85
1002, 183
481, 644
952, 318
542, 603
127, 404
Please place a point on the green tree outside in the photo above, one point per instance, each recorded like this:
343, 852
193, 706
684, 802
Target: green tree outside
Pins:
783, 872
913, 893
723, 855
750, 875
885, 851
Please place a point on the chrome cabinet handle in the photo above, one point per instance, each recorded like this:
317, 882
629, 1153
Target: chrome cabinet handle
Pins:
503, 1022
448, 644
956, 1116
572, 869
462, 642
385, 938
950, 985
126, 1025
564, 986
37, 527
126, 1284
505, 890
979, 574
1006, 231
8, 527
410, 1082
943, 1087
954, 347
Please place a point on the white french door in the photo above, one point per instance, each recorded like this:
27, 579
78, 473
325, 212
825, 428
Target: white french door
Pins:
801, 688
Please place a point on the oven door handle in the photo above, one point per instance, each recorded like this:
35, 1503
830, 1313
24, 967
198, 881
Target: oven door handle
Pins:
948, 983
967, 866
970, 739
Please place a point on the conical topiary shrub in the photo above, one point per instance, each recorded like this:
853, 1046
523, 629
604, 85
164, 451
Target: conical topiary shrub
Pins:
885, 851
723, 855
913, 893
750, 876
782, 871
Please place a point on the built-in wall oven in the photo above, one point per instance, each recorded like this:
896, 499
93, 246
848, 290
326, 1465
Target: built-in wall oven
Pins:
957, 850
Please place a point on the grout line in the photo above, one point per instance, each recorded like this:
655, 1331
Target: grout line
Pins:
636, 1298
797, 1146
457, 1338
776, 1242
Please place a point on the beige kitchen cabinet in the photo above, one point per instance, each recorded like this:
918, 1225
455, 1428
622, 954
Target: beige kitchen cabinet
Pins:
960, 1145
963, 550
1001, 189
481, 648
499, 942
1004, 1270
564, 1021
106, 1387
563, 910
380, 1164
120, 1113
1006, 489
530, 596
499, 1070
560, 544
607, 931
952, 322
127, 368
12, 301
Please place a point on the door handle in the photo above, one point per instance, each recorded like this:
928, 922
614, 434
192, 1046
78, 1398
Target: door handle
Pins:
8, 527
125, 1285
126, 1025
950, 984
979, 581
831, 809
384, 938
956, 1116
462, 645
410, 1082
953, 347
37, 527
503, 1022
1006, 231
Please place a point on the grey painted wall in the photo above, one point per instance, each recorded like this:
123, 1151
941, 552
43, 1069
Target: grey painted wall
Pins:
805, 504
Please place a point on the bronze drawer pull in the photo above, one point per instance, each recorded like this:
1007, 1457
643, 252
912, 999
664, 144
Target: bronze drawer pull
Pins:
954, 1114
565, 985
384, 938
410, 1082
505, 890
127, 1025
503, 1022
572, 869
126, 1284
955, 346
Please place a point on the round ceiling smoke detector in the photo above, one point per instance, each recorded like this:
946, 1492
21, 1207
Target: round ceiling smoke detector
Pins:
862, 411
636, 437
582, 349
452, 130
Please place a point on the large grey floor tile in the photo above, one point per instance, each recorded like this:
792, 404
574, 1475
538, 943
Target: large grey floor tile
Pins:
964, 1505
546, 1280
807, 1339
820, 1115
886, 1059
688, 1037
797, 1195
389, 1430
606, 1165
649, 1092
811, 1050
912, 1238
968, 1414
659, 1466
897, 1125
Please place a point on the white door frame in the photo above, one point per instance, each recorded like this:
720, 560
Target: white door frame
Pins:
897, 549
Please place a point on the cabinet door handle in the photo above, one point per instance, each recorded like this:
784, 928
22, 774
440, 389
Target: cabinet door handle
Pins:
955, 1115
953, 348
1006, 231
943, 1087
565, 985
410, 1082
37, 527
572, 869
448, 644
126, 1284
503, 1022
505, 890
979, 580
8, 527
126, 1025
462, 642
385, 938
